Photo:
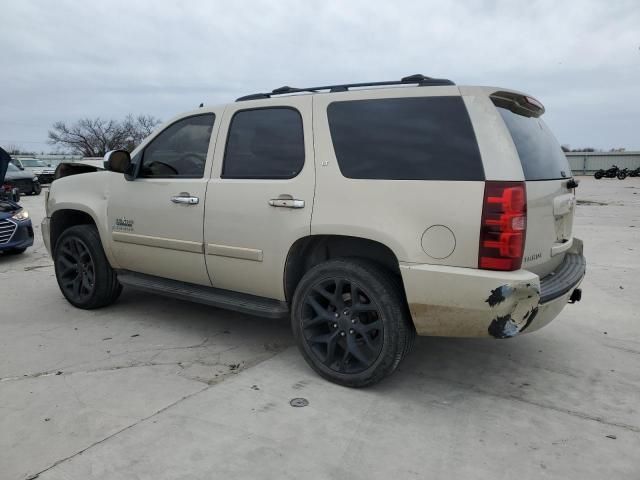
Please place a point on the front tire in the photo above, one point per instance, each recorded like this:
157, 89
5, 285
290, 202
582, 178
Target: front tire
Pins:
351, 322
84, 275
36, 189
622, 175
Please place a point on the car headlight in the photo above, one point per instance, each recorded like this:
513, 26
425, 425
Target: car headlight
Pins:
35, 179
21, 214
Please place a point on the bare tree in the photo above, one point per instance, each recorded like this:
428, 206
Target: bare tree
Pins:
13, 149
93, 137
138, 129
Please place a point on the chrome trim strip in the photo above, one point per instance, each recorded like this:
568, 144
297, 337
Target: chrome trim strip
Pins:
234, 252
158, 242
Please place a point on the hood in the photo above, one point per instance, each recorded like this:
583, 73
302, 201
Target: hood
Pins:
19, 175
8, 207
4, 164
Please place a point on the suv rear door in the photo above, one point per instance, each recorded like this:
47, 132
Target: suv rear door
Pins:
550, 203
260, 195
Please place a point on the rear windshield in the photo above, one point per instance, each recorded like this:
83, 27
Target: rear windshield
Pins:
540, 155
424, 138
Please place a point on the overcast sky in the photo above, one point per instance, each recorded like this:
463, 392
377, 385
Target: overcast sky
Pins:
65, 60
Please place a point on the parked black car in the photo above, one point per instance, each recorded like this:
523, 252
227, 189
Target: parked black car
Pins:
26, 182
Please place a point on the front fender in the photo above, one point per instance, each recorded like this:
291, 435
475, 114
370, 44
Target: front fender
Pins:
87, 193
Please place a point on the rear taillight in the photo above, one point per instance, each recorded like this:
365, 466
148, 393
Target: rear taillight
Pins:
504, 226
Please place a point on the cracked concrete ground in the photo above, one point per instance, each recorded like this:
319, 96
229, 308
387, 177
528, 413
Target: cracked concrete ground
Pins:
153, 388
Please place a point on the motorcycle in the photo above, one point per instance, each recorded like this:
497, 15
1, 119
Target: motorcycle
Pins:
609, 173
634, 173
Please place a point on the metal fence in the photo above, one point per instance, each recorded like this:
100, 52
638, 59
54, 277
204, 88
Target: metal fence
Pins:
585, 163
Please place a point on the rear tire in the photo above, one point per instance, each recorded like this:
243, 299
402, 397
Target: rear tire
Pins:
598, 175
351, 322
622, 175
84, 275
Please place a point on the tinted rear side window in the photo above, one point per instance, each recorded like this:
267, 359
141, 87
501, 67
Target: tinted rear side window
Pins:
540, 155
264, 143
423, 138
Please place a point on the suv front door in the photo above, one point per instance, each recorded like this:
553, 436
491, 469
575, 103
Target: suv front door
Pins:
156, 220
260, 195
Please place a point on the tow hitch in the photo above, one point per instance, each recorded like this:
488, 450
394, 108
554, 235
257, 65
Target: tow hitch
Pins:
576, 295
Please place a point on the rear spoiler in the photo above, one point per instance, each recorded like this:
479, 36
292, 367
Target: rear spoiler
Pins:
68, 169
518, 103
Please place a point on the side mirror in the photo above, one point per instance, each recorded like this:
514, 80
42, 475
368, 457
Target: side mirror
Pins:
118, 161
20, 167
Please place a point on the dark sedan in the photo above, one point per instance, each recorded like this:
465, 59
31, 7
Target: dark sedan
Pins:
27, 183
16, 232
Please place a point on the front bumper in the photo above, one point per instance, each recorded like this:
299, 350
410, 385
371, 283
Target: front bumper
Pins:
464, 302
22, 236
46, 238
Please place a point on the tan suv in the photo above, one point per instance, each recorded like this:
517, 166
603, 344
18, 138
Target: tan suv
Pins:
365, 212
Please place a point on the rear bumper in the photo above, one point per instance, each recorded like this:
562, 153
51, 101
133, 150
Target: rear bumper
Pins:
45, 178
25, 187
464, 302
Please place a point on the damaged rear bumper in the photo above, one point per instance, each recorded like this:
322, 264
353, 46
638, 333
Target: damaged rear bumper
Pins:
464, 302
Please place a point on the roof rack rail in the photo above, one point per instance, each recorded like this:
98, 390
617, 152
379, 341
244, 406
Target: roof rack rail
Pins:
420, 80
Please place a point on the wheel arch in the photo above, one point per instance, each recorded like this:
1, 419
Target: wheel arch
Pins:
312, 250
65, 218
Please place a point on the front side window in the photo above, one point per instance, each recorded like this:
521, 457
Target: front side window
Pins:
180, 150
422, 138
265, 143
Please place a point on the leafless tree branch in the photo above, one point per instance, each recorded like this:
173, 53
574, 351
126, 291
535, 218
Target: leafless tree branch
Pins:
93, 137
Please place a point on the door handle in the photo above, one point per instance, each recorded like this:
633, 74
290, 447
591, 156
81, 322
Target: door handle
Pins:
286, 201
185, 198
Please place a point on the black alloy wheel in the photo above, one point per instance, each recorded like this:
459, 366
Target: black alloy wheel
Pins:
342, 325
351, 322
83, 272
76, 269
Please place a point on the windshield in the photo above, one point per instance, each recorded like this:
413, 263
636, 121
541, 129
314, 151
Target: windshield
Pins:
33, 163
540, 155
